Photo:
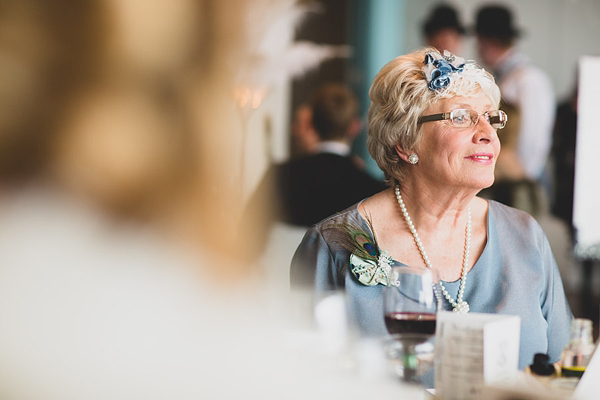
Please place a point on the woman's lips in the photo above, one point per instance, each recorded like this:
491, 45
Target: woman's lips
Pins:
482, 158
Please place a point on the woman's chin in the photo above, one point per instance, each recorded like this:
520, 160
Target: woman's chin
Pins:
483, 182
488, 183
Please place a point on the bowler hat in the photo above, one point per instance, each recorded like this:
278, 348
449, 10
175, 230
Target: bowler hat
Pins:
442, 17
495, 22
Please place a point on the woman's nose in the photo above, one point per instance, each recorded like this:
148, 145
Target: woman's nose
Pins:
485, 132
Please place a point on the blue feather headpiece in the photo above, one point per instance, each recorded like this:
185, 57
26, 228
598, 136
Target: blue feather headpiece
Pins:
439, 69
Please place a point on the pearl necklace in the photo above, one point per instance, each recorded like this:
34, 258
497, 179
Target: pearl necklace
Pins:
459, 306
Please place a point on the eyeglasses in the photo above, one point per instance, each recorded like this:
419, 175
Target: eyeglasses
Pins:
464, 118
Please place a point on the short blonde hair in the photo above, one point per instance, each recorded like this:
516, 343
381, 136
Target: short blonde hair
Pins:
399, 96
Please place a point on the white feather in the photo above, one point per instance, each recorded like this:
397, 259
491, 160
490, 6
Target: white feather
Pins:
293, 61
271, 56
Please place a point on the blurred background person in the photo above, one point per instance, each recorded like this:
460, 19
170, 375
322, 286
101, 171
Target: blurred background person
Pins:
304, 190
311, 188
442, 29
508, 166
563, 158
524, 86
511, 185
329, 178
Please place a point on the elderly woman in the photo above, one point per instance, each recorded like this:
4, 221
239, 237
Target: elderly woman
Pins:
433, 125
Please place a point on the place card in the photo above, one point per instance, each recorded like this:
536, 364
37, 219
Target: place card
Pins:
473, 350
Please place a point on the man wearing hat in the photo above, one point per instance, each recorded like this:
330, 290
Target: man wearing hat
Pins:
443, 30
522, 84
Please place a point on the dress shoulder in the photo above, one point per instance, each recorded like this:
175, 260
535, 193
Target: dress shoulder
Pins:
510, 216
349, 214
323, 255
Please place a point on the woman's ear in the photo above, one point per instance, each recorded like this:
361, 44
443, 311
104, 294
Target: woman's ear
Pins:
402, 153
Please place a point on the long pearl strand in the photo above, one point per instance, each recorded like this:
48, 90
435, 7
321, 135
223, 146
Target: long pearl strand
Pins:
459, 306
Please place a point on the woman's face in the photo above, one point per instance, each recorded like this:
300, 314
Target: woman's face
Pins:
458, 157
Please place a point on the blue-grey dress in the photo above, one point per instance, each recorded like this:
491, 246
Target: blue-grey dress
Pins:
516, 275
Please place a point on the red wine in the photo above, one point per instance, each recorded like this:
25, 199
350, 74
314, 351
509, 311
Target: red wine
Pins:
410, 322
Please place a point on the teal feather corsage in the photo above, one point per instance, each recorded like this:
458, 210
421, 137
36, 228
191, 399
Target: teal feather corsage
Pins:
370, 272
369, 265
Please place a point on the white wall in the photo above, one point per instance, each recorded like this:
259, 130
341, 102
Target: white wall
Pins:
267, 136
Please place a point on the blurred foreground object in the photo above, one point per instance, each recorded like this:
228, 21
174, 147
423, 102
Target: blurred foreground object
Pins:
118, 275
109, 105
577, 354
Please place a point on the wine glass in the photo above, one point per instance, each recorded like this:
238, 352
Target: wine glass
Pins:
410, 306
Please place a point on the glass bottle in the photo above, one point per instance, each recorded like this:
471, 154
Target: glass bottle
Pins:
577, 353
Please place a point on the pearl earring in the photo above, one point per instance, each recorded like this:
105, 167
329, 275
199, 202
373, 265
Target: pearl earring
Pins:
413, 158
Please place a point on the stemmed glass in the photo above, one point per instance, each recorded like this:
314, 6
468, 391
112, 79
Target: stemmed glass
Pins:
411, 301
